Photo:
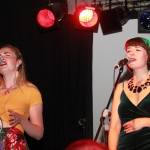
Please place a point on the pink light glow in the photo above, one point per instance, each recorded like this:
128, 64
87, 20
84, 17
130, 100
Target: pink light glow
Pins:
45, 18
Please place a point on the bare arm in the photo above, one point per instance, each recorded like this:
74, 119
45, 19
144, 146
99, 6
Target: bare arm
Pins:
136, 124
34, 127
115, 124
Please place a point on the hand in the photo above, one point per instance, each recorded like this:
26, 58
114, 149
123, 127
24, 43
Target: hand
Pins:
135, 124
14, 118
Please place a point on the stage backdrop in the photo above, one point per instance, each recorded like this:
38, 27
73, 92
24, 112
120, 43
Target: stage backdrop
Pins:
59, 63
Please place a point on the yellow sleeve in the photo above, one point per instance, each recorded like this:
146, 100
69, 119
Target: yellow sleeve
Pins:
35, 97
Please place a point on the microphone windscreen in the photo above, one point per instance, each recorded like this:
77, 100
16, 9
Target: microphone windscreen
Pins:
1, 60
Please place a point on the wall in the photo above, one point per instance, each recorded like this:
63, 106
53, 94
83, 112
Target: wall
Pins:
107, 51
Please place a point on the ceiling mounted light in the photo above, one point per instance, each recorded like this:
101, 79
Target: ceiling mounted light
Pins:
87, 18
48, 18
144, 21
45, 18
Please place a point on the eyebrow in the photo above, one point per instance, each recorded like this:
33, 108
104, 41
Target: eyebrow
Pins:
6, 53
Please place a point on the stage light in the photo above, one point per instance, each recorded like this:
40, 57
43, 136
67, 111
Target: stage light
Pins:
45, 18
48, 18
144, 21
87, 18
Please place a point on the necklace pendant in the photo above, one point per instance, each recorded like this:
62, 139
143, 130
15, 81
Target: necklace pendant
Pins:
131, 89
134, 91
139, 89
147, 83
7, 89
6, 92
128, 86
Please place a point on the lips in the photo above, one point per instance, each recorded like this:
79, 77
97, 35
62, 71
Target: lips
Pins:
3, 63
132, 59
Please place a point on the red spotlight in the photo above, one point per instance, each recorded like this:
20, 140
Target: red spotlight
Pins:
48, 18
87, 18
45, 18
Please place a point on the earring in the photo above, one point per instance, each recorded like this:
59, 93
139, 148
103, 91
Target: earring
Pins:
17, 73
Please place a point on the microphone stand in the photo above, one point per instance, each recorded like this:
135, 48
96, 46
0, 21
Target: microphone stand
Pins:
105, 111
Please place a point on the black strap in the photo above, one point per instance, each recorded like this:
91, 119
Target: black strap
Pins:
123, 86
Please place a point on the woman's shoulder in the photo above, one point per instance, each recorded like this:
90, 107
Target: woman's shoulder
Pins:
32, 93
30, 86
31, 90
120, 86
123, 83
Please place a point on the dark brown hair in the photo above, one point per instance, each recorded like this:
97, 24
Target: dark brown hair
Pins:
138, 41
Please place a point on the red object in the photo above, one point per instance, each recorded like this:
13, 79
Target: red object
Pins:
45, 18
88, 18
86, 144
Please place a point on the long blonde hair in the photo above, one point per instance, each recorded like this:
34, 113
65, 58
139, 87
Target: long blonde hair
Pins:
21, 79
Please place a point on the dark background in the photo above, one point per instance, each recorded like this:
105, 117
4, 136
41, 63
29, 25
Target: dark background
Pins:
59, 63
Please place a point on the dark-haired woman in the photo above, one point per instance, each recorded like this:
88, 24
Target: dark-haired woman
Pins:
130, 119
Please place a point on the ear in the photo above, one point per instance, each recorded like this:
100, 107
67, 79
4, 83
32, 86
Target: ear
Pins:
18, 63
148, 58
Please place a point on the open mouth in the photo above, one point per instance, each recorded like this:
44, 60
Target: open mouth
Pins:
3, 63
132, 59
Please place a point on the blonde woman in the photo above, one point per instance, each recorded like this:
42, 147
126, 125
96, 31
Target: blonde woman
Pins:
19, 101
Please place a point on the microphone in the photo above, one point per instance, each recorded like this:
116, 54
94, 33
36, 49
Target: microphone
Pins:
1, 61
122, 62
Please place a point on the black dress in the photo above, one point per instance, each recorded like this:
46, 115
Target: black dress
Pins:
137, 140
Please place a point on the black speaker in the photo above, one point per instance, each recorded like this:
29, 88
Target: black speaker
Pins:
110, 22
143, 21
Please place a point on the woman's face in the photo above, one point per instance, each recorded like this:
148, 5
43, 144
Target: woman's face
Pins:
9, 62
138, 57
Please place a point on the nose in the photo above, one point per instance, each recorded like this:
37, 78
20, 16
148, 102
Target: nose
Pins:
2, 57
131, 53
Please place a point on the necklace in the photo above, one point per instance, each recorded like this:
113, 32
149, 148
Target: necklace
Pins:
138, 89
7, 89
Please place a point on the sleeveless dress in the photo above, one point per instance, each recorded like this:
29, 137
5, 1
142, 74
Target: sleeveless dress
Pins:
137, 140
